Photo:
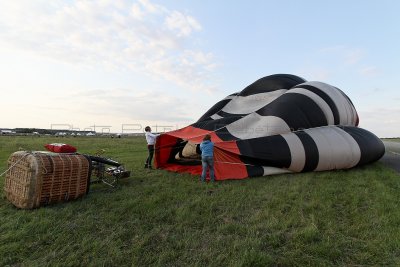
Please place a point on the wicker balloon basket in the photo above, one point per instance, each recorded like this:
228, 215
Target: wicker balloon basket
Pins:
36, 179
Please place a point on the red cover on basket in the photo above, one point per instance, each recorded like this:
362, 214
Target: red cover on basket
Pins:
60, 148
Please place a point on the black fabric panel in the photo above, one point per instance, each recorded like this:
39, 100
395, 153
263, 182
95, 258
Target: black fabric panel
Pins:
225, 135
372, 148
212, 125
188, 162
326, 98
198, 150
311, 151
297, 110
272, 83
254, 171
266, 151
214, 109
226, 114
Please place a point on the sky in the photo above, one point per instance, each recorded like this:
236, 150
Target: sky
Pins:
116, 66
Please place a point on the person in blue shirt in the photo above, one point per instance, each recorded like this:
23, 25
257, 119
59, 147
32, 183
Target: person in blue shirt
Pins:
207, 158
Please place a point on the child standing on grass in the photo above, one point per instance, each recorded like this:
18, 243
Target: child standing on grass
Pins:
207, 158
151, 139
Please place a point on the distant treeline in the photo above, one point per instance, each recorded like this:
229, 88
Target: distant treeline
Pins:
42, 131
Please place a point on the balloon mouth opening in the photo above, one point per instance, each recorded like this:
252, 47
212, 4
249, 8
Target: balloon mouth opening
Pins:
185, 153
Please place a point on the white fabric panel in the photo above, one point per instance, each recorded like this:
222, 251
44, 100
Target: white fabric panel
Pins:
255, 125
216, 117
353, 149
319, 101
337, 149
273, 170
353, 112
251, 103
297, 153
341, 102
190, 150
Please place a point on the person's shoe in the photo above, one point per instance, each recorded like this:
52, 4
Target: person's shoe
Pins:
146, 166
150, 167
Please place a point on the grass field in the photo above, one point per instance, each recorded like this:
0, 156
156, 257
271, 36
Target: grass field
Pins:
157, 218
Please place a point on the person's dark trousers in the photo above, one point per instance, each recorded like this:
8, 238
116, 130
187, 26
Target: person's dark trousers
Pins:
150, 157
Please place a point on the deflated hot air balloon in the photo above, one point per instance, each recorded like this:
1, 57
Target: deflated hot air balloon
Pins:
279, 124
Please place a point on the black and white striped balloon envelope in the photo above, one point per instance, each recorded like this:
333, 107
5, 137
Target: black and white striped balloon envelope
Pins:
279, 124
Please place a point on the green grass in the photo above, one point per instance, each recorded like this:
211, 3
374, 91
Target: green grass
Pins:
392, 139
157, 218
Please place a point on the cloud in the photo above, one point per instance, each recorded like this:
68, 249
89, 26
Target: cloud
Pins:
180, 69
354, 56
126, 104
314, 73
348, 55
369, 71
140, 36
183, 24
152, 8
383, 122
351, 59
83, 108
